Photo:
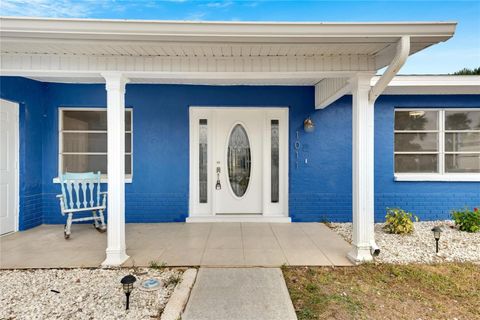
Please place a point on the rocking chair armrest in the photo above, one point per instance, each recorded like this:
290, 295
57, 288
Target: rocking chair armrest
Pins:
104, 198
62, 202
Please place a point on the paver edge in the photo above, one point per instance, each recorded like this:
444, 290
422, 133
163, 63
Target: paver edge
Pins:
179, 298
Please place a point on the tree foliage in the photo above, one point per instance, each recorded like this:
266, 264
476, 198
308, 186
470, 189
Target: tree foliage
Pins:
468, 72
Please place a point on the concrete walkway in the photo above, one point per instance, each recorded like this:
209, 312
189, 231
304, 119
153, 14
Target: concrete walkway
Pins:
180, 244
239, 294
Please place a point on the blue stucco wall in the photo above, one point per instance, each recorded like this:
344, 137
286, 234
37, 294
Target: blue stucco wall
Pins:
29, 95
319, 190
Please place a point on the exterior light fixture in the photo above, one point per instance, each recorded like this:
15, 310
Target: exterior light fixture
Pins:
436, 233
308, 125
127, 283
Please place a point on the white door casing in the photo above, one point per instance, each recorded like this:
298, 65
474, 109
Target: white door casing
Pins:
9, 175
256, 203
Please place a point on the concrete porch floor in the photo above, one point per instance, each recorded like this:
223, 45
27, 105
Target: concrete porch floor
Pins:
179, 244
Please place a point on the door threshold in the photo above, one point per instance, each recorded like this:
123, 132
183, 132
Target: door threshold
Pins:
240, 214
239, 218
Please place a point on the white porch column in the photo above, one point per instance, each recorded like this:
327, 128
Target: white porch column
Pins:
363, 170
115, 86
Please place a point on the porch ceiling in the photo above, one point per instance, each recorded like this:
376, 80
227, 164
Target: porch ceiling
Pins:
79, 50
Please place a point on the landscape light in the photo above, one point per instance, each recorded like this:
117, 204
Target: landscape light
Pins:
127, 283
436, 233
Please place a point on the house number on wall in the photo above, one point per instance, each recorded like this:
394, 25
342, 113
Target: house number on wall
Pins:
297, 146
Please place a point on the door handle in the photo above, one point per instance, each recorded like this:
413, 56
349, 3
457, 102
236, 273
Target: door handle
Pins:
218, 185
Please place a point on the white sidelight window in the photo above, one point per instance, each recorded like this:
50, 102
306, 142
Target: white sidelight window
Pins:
203, 160
83, 140
437, 144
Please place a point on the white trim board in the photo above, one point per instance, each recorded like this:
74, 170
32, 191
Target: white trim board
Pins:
431, 84
450, 177
239, 218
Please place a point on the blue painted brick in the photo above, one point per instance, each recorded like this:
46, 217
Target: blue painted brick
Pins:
159, 192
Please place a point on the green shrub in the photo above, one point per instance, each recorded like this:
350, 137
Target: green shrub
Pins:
467, 220
399, 221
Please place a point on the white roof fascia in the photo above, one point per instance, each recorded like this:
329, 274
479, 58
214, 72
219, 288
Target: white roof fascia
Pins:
432, 84
137, 30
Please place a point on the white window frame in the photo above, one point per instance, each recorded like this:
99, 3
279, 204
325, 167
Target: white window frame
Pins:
104, 179
441, 175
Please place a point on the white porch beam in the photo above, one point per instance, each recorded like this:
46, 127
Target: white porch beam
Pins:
116, 249
328, 91
402, 51
362, 170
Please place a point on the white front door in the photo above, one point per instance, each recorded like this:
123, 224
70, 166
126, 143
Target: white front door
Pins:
238, 157
238, 164
8, 165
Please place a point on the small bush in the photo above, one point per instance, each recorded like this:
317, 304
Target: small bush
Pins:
467, 220
174, 279
154, 264
399, 221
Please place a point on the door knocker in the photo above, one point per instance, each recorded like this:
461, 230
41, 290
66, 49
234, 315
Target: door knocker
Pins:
218, 186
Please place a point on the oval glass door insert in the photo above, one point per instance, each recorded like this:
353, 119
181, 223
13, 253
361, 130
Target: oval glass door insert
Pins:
239, 160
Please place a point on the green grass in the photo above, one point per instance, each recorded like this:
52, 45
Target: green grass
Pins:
384, 291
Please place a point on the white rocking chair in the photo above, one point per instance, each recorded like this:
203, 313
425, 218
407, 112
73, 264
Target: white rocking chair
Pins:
81, 193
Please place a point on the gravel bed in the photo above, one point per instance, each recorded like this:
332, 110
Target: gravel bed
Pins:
419, 247
83, 293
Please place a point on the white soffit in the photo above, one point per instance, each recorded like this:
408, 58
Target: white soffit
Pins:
137, 38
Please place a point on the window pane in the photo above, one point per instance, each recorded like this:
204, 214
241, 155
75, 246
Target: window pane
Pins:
85, 142
462, 163
462, 120
128, 164
90, 142
274, 161
85, 163
84, 120
128, 142
128, 120
202, 160
416, 163
416, 142
239, 160
468, 141
90, 120
416, 120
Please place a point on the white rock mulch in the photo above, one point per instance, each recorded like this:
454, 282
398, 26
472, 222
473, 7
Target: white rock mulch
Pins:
84, 293
419, 247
